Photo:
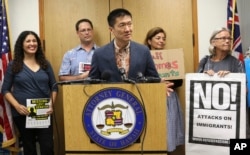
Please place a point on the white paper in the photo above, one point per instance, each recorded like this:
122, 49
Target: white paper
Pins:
38, 117
215, 112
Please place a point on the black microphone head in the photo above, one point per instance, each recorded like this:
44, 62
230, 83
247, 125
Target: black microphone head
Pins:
122, 71
124, 76
106, 75
140, 75
153, 79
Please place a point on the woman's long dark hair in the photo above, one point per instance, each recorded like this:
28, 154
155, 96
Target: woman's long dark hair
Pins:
19, 52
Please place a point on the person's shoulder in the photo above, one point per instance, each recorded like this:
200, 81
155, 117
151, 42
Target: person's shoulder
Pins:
139, 47
133, 43
10, 62
95, 47
49, 66
47, 61
104, 47
205, 58
232, 58
72, 50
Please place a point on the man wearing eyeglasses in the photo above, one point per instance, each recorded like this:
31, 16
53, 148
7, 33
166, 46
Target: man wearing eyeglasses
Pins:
76, 62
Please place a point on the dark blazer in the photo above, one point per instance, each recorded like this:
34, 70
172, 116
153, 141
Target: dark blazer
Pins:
141, 60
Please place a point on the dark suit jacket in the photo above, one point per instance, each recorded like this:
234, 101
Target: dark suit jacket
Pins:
141, 60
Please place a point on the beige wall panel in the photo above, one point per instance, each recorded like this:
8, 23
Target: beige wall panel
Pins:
60, 19
174, 16
115, 4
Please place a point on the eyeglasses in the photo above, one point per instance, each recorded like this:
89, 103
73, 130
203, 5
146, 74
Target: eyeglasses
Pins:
85, 30
224, 38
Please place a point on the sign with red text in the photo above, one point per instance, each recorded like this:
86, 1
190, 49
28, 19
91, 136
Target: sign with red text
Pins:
169, 63
215, 112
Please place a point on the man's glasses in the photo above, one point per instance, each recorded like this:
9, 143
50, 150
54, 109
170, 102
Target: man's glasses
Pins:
224, 38
85, 30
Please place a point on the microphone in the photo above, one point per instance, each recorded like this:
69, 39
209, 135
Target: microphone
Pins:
140, 77
124, 76
153, 79
123, 73
93, 81
144, 79
86, 80
104, 78
106, 75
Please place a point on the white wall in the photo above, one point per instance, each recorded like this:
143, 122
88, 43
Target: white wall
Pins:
23, 15
212, 14
243, 9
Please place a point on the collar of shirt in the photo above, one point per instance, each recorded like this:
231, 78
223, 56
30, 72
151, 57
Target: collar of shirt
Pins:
79, 47
121, 50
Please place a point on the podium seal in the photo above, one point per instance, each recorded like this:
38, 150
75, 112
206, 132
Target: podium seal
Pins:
113, 118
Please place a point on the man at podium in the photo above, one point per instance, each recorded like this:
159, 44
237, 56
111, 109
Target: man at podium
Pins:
123, 58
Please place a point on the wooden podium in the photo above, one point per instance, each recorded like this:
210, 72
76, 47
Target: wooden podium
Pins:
77, 141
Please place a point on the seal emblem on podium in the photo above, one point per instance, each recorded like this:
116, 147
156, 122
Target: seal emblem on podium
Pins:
114, 118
